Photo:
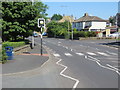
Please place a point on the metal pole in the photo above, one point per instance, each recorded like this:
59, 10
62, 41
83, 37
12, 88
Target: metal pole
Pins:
32, 41
41, 42
72, 33
72, 30
33, 31
68, 29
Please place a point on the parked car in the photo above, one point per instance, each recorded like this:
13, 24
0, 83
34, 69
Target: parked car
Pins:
35, 35
115, 35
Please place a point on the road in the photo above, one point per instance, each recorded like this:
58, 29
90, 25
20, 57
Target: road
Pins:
72, 64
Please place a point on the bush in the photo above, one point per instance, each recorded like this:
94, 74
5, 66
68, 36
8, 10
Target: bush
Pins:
12, 44
84, 34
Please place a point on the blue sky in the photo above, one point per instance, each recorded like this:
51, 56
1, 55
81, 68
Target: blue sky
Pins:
77, 9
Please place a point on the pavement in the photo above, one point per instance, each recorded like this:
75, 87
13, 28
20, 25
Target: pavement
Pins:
71, 64
25, 61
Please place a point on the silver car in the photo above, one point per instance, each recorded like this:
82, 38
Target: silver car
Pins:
115, 35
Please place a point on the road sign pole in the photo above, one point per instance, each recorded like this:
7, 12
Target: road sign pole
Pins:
41, 23
41, 43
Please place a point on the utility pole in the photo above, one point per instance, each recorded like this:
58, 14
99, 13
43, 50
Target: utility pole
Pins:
72, 32
68, 29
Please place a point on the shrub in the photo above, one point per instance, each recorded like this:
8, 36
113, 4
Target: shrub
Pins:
12, 44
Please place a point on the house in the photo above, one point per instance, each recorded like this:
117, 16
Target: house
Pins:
110, 30
67, 18
89, 23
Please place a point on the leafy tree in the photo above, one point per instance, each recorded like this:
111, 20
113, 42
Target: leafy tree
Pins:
56, 29
56, 17
19, 19
112, 20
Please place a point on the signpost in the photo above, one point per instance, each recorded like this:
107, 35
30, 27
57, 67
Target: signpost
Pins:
41, 24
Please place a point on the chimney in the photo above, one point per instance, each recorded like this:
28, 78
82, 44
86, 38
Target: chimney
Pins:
86, 14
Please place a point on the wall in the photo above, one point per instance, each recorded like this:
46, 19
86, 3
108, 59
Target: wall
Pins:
98, 25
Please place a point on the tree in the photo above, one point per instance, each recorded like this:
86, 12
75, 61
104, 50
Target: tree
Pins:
55, 29
112, 20
19, 19
56, 17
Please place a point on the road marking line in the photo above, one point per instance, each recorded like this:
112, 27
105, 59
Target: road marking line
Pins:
90, 53
113, 67
68, 54
81, 54
59, 42
61, 73
66, 47
56, 55
103, 53
95, 59
98, 62
111, 53
97, 49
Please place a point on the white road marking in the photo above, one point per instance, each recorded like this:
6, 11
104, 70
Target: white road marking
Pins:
113, 67
81, 54
56, 55
81, 45
112, 53
98, 62
59, 42
66, 47
61, 73
71, 49
68, 54
90, 53
103, 53
97, 49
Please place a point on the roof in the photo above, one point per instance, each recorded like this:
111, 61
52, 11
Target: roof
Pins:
66, 18
86, 18
111, 27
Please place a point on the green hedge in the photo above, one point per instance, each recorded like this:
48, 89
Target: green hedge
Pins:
12, 44
78, 34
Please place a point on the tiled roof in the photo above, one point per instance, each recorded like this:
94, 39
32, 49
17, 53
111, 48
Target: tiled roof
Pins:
66, 18
86, 18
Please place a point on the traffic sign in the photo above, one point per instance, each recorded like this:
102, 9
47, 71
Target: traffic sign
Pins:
41, 22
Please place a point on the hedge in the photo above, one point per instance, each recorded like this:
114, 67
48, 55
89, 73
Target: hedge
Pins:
12, 44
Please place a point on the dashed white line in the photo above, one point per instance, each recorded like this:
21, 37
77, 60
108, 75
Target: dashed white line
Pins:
103, 53
61, 73
112, 53
81, 54
68, 54
56, 55
66, 47
97, 49
90, 53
